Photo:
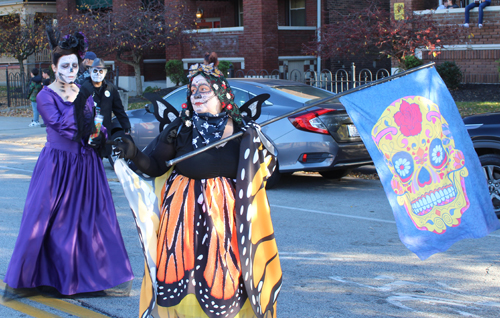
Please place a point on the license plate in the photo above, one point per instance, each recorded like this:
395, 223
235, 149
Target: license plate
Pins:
353, 131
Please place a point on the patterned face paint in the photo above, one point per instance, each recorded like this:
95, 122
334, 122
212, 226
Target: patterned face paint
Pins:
203, 97
67, 69
98, 74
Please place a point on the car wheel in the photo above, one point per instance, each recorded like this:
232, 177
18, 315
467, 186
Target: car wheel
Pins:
334, 174
275, 177
491, 167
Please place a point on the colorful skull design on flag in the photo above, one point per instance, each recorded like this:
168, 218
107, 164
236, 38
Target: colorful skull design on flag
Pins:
428, 171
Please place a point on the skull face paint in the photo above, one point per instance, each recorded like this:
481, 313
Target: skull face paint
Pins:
428, 171
67, 69
203, 97
97, 74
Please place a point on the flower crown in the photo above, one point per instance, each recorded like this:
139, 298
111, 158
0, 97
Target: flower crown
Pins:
208, 69
76, 41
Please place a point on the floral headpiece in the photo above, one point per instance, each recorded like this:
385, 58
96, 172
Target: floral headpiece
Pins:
208, 69
77, 42
221, 88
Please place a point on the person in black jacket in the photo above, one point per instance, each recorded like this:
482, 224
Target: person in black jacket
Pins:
34, 88
107, 101
46, 77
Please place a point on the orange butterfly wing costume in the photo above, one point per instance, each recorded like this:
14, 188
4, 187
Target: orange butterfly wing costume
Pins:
216, 255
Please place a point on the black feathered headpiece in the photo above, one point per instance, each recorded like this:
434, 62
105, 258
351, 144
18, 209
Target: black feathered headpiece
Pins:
76, 43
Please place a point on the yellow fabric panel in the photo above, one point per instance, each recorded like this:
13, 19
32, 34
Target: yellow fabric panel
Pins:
150, 219
273, 275
261, 217
265, 251
259, 176
190, 308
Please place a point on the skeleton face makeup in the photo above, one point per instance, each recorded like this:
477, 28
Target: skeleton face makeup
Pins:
66, 69
203, 97
97, 74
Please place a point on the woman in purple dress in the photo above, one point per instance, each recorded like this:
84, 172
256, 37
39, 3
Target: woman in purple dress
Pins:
69, 237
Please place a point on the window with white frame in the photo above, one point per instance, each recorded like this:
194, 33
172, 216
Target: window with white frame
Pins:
297, 13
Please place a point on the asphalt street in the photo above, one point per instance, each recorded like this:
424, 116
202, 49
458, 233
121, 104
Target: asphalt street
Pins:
339, 249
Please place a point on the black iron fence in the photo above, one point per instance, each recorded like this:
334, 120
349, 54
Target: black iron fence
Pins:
15, 88
17, 84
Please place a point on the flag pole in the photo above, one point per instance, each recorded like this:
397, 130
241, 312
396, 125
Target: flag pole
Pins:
298, 110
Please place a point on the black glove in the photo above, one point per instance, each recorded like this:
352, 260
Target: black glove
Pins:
124, 148
79, 109
98, 141
81, 99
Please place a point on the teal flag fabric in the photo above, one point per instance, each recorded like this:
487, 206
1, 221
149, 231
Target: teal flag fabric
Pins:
425, 160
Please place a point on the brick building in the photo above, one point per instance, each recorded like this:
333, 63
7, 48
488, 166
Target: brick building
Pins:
257, 36
478, 54
252, 34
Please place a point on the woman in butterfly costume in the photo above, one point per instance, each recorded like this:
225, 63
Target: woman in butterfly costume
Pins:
215, 253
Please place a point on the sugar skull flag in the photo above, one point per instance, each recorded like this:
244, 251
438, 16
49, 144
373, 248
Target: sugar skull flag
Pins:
425, 160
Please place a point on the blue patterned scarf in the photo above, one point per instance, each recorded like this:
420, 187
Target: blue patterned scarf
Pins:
208, 128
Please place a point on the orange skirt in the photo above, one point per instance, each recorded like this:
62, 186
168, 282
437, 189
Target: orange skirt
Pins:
198, 262
209, 244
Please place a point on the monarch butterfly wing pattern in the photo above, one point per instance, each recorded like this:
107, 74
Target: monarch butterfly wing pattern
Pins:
261, 269
176, 237
219, 288
142, 195
198, 249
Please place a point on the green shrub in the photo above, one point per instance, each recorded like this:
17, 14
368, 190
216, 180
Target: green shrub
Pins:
451, 74
224, 67
175, 71
411, 61
150, 89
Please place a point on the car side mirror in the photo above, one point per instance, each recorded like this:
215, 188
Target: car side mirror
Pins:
147, 107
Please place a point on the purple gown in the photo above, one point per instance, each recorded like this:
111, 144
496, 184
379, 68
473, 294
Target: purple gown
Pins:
69, 237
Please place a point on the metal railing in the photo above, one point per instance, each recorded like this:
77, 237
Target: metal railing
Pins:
16, 89
334, 81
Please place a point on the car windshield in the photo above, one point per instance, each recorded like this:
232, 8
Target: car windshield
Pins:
304, 93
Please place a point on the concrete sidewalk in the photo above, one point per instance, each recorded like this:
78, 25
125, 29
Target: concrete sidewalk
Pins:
7, 122
15, 130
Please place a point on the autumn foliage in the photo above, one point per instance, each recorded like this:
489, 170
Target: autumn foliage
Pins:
127, 32
373, 30
22, 36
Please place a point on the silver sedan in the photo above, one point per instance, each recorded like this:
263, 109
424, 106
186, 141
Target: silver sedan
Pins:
321, 139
